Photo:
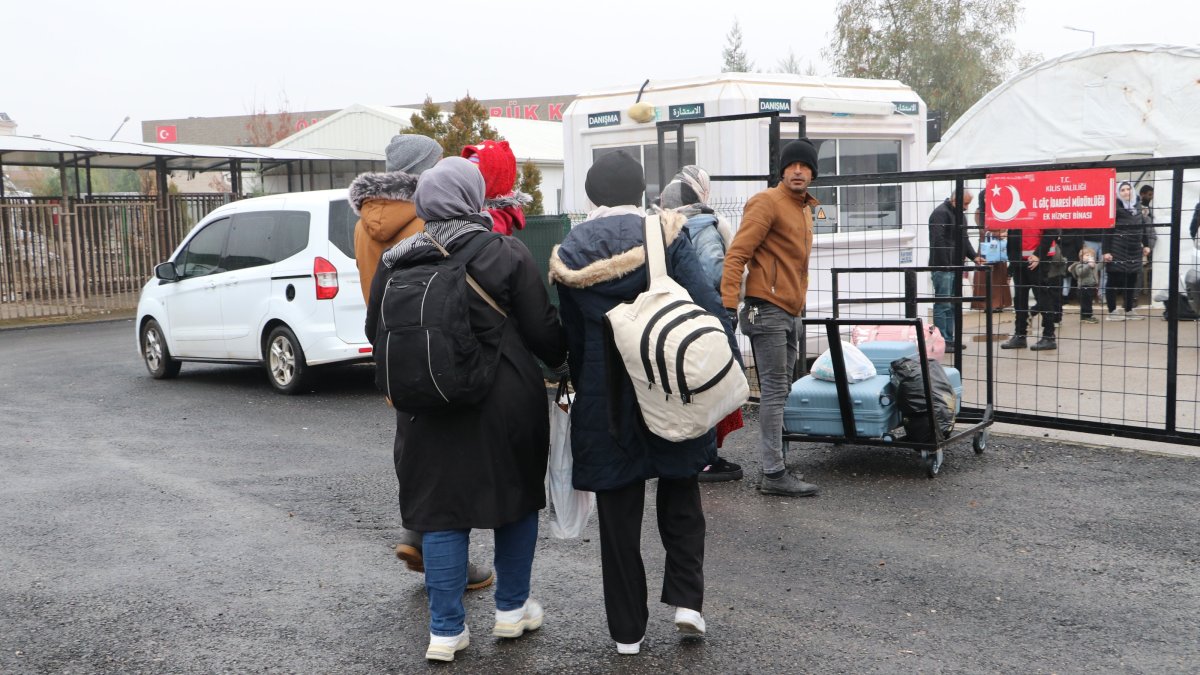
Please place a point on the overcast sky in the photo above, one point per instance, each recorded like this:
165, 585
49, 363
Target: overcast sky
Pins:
81, 67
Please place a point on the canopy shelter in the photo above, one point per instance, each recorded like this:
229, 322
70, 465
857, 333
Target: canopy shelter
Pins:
84, 154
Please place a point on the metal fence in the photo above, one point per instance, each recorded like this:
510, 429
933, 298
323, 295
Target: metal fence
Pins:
80, 258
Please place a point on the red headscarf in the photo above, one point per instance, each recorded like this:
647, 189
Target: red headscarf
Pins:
499, 168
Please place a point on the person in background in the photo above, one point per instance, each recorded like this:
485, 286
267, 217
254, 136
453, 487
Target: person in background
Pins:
1001, 293
947, 228
1086, 272
386, 215
688, 194
1125, 246
1145, 273
599, 265
482, 465
1027, 249
770, 251
499, 168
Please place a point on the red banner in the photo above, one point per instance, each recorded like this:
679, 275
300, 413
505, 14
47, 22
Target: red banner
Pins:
1052, 199
165, 133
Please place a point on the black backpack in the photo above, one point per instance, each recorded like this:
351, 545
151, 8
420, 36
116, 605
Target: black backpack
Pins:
427, 355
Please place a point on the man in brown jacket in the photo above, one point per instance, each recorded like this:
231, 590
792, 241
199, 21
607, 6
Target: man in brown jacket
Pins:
772, 246
386, 215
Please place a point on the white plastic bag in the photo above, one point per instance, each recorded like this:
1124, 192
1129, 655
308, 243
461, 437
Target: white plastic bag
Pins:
858, 366
569, 508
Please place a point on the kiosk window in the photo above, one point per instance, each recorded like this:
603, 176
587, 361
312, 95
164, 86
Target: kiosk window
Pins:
856, 208
647, 155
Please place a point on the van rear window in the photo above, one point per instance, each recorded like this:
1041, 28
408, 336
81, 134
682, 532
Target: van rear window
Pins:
341, 226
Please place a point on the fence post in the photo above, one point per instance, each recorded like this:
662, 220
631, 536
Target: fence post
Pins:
1173, 298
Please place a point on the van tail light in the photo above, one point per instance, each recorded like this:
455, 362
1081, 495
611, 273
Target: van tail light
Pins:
326, 276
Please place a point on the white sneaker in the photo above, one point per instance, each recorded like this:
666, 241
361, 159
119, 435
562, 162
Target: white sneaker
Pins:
689, 622
514, 622
634, 648
1117, 314
1132, 315
444, 648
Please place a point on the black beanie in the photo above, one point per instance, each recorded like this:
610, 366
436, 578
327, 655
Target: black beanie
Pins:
802, 151
616, 179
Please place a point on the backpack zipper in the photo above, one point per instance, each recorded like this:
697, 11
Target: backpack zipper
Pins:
645, 345
428, 284
429, 363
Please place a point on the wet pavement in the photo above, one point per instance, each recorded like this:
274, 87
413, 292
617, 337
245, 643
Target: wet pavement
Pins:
207, 524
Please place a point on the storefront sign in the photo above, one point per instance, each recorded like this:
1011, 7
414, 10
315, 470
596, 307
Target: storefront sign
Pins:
905, 107
604, 119
782, 105
553, 111
1052, 199
688, 111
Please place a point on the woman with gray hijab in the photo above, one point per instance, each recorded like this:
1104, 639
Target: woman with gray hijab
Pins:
478, 466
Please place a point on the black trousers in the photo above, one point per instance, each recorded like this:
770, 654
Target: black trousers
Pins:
681, 528
1046, 293
1121, 285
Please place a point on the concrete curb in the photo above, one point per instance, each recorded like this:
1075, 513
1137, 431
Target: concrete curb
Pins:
1098, 440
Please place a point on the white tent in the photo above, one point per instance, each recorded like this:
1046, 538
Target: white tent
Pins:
1109, 102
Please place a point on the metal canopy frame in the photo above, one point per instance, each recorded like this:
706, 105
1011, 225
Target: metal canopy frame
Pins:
677, 126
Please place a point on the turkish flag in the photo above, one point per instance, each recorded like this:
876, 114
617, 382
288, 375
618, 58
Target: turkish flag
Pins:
165, 133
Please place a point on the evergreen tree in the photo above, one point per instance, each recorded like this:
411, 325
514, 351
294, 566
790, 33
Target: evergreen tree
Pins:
531, 179
466, 125
734, 55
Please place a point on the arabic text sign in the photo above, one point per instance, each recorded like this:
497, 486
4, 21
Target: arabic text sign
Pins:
689, 111
1051, 199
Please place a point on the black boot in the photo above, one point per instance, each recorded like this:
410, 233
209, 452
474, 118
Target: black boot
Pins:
1045, 344
1014, 342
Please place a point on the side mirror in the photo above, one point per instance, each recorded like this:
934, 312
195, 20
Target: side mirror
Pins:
166, 271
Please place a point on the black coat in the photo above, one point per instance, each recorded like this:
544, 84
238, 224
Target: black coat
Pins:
1125, 241
946, 224
484, 466
599, 265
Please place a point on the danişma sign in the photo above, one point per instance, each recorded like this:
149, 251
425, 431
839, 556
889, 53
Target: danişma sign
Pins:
781, 105
604, 119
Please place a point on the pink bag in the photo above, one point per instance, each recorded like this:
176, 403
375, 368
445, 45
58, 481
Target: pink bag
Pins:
935, 344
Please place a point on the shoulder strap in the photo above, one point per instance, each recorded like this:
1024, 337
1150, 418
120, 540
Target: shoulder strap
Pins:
656, 255
468, 252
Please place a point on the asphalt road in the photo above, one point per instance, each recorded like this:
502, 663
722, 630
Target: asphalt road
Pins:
207, 524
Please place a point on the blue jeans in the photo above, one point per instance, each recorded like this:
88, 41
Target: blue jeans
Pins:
943, 312
445, 556
774, 336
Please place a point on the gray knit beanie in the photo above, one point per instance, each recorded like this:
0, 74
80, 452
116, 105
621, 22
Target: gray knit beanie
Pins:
412, 153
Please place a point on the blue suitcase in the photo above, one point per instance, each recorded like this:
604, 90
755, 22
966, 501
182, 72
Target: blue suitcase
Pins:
955, 378
812, 408
883, 353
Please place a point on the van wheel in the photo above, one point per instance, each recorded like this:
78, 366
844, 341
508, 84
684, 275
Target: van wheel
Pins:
156, 353
286, 367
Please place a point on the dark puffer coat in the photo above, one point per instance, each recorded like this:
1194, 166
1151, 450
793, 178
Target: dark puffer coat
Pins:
599, 265
1125, 240
484, 466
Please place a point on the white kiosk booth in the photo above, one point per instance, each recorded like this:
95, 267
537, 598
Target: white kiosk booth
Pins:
858, 127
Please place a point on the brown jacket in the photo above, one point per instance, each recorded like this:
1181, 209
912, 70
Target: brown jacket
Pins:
773, 242
383, 202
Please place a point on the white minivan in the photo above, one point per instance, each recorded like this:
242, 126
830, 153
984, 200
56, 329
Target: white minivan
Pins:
269, 281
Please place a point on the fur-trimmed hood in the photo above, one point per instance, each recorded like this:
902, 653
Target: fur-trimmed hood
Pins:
516, 198
606, 249
393, 185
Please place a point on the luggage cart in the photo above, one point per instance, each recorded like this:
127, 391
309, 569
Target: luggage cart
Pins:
978, 423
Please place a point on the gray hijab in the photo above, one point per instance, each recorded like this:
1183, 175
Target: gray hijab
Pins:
453, 188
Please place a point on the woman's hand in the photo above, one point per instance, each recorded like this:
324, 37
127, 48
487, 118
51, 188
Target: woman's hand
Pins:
1033, 262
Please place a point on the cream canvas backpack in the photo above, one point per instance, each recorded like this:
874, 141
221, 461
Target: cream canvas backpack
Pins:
676, 353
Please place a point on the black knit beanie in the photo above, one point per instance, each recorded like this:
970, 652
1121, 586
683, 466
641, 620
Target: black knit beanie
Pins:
616, 179
802, 151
